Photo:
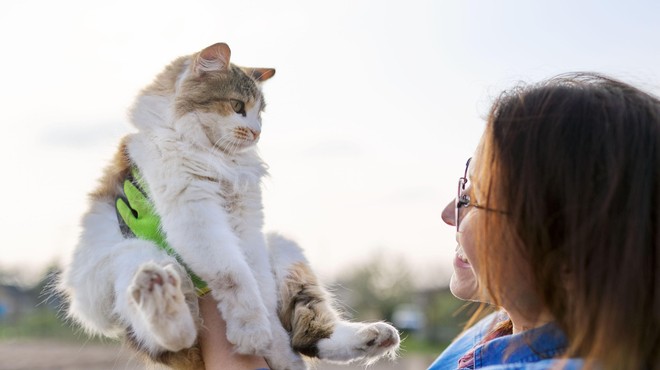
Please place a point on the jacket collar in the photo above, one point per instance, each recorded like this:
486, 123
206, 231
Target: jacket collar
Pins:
532, 345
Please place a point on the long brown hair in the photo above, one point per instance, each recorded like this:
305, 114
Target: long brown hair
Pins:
575, 162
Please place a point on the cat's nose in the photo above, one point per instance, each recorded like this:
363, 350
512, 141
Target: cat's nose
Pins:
255, 133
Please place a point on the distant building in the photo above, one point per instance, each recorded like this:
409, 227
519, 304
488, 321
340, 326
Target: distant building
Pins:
409, 317
14, 302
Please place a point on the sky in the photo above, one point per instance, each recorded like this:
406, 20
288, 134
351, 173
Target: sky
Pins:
373, 111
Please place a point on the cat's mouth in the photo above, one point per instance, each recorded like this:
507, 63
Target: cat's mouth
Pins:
247, 135
242, 140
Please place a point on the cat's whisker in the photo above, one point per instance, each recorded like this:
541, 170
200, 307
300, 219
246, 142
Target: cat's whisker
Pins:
217, 145
223, 143
233, 145
236, 144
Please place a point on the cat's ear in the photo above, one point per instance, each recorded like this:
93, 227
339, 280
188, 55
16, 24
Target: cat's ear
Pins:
213, 58
260, 74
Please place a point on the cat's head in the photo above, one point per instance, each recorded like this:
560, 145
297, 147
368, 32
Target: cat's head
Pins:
212, 101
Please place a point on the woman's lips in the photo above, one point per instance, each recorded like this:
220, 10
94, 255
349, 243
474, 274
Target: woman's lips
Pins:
461, 260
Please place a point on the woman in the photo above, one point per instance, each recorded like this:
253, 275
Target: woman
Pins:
558, 224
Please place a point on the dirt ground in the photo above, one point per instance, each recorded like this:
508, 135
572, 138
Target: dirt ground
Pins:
53, 355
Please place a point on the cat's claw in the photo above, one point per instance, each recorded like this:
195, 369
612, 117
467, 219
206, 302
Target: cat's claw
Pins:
156, 291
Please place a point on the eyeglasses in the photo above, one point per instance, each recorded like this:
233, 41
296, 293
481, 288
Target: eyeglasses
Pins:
463, 200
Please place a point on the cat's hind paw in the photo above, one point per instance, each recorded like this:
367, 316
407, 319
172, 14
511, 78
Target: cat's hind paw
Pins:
359, 342
165, 316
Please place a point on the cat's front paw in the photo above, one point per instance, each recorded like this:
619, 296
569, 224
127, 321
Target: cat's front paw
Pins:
377, 339
250, 333
156, 292
359, 342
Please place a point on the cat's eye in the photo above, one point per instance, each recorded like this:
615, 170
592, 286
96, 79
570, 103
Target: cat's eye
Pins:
238, 106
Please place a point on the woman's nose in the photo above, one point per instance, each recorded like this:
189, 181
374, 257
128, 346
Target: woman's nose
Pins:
448, 214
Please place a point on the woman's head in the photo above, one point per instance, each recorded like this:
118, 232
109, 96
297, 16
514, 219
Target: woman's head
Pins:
575, 163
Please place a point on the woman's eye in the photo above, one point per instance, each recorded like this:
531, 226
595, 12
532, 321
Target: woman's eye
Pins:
238, 106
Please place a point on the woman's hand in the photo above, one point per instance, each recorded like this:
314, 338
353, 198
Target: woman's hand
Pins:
217, 352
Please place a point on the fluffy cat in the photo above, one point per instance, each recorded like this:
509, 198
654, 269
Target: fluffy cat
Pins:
198, 124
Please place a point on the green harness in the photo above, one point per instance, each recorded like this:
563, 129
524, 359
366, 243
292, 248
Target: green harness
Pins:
138, 219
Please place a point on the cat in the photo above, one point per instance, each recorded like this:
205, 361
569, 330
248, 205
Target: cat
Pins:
197, 126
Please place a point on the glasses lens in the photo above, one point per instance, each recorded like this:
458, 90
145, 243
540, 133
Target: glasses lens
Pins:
459, 202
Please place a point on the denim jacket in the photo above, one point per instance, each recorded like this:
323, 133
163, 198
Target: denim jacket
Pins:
531, 350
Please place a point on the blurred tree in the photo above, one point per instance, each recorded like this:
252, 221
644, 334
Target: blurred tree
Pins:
445, 314
373, 291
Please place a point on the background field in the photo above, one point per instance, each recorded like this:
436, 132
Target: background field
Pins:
34, 335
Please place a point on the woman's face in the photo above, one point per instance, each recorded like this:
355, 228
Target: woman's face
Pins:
464, 283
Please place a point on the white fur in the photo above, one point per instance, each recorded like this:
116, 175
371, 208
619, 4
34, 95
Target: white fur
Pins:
100, 275
284, 253
205, 185
191, 182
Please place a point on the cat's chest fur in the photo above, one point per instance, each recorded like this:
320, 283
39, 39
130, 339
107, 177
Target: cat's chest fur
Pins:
178, 172
239, 204
232, 201
239, 191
